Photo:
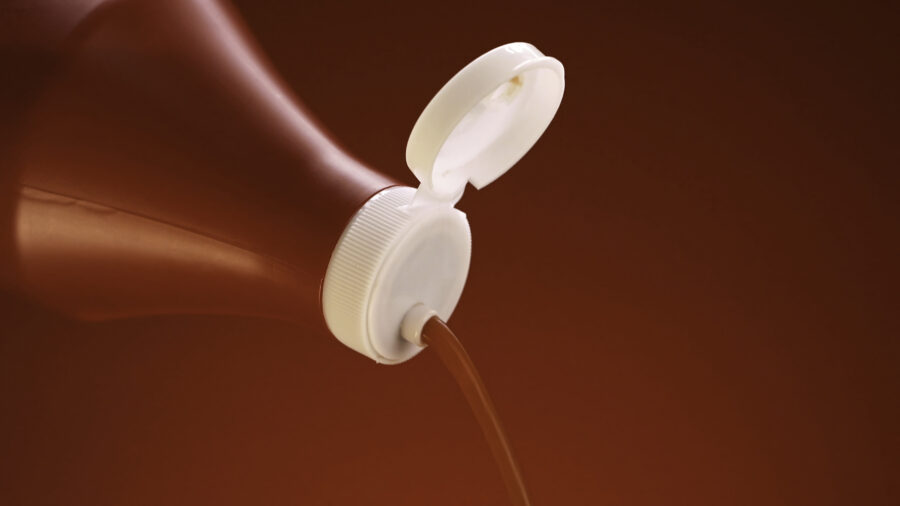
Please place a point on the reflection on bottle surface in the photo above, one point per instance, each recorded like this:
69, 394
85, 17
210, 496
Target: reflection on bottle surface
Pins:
165, 168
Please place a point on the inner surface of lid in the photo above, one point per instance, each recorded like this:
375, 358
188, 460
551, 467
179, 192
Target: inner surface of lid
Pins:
499, 129
484, 120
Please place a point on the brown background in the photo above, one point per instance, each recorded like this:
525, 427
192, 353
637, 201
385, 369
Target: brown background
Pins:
684, 294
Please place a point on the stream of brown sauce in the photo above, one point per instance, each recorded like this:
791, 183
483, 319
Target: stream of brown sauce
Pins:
438, 336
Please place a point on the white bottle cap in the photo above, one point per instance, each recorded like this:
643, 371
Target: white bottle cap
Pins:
407, 251
484, 119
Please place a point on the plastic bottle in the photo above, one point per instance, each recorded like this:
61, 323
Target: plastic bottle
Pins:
163, 167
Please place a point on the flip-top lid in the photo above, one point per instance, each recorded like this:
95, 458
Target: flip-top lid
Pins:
484, 120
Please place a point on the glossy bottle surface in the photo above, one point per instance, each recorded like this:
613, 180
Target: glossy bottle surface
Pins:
163, 167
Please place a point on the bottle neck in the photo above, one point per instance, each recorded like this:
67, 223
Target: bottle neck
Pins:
166, 168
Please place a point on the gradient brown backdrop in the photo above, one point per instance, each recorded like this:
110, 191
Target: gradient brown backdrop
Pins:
684, 294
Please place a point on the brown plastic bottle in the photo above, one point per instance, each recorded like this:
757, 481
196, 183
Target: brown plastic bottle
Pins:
160, 166
154, 163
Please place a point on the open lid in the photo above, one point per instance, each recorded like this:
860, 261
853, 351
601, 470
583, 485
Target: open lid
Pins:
484, 120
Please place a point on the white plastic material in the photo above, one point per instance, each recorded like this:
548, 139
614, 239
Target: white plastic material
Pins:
484, 119
405, 255
391, 257
414, 322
